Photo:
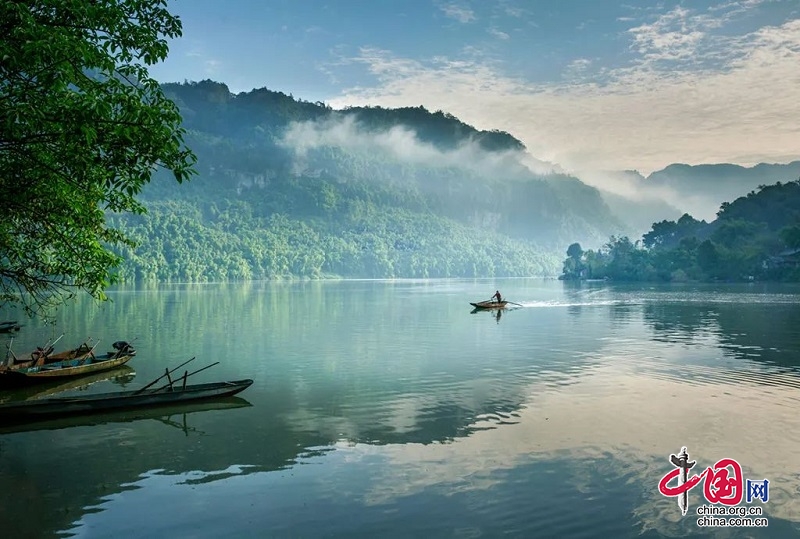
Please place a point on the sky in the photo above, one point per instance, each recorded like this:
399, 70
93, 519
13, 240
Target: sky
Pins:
588, 85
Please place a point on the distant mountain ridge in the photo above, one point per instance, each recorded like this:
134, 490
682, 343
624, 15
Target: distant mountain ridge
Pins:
724, 176
700, 190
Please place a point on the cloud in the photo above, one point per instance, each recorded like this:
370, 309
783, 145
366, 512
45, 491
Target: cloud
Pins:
498, 34
578, 67
693, 93
402, 144
580, 422
462, 14
212, 66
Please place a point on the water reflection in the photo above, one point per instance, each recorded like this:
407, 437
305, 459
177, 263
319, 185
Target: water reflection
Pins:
121, 377
163, 414
569, 444
382, 407
766, 333
494, 313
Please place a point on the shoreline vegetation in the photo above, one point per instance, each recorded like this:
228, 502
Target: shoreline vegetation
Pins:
754, 238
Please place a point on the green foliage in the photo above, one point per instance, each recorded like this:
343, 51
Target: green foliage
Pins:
754, 237
668, 234
82, 127
216, 241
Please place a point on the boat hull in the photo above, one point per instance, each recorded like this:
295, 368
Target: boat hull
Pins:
60, 370
490, 305
41, 409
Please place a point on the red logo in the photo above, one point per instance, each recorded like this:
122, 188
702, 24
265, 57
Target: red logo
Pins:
722, 483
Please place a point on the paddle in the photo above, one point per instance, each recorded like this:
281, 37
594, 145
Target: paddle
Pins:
511, 302
163, 375
185, 376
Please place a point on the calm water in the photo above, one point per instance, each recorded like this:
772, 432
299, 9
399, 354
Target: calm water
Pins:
388, 409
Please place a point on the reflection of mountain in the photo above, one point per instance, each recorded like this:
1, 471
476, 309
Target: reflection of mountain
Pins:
373, 362
582, 446
754, 331
398, 395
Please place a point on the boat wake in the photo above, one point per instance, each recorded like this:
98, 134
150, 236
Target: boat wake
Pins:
545, 304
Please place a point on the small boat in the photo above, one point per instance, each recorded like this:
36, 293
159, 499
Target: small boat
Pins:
170, 394
78, 366
490, 304
163, 413
45, 356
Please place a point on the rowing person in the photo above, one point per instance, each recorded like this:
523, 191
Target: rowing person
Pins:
497, 296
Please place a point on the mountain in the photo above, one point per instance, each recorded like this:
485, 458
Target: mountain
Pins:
702, 188
639, 215
631, 200
288, 188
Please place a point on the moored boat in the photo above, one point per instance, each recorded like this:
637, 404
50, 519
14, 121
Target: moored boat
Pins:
127, 415
44, 355
171, 394
67, 368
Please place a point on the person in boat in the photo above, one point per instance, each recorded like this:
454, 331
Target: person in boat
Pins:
497, 297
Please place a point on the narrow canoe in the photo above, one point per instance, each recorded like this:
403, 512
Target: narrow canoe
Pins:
38, 409
490, 304
166, 414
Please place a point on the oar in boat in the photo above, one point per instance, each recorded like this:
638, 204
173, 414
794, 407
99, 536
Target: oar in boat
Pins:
163, 375
185, 376
511, 302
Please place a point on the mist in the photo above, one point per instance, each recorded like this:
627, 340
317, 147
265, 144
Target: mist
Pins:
401, 143
634, 198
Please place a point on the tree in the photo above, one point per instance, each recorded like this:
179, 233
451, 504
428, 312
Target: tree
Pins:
575, 251
83, 128
573, 266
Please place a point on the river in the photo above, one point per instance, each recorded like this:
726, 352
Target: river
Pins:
389, 409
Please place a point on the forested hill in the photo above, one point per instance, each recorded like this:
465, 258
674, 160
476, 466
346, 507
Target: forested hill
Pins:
292, 188
755, 237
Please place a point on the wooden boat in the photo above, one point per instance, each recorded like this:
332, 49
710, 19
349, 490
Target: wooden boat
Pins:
39, 409
44, 356
164, 414
87, 364
491, 304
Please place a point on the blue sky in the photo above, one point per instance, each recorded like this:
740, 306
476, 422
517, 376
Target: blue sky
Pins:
590, 85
